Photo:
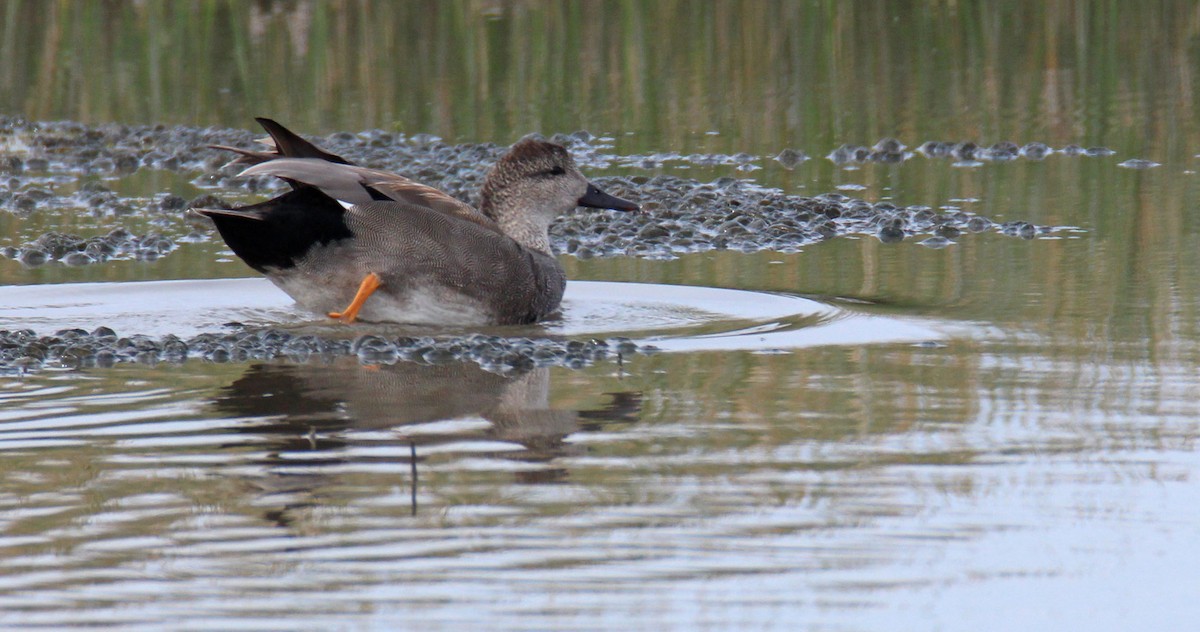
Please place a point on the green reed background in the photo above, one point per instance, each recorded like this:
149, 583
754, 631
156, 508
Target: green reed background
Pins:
765, 74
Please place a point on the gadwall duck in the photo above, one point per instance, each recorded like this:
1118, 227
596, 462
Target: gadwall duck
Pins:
355, 242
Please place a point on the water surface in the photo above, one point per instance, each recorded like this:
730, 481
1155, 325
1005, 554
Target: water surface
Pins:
1025, 460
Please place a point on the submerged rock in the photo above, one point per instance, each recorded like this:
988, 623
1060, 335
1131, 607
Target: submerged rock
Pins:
935, 149
1138, 163
936, 242
789, 158
848, 153
1036, 151
891, 234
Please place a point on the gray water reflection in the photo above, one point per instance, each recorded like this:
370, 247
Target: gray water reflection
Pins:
320, 416
137, 496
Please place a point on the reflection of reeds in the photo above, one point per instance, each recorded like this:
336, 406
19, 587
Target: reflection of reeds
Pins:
482, 70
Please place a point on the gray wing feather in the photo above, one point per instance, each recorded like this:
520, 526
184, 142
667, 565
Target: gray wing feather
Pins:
402, 189
340, 182
346, 182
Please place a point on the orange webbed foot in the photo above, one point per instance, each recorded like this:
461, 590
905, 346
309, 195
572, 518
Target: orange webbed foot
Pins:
369, 284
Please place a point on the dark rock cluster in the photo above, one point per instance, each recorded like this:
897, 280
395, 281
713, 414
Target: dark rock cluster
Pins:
890, 150
24, 351
74, 250
683, 215
71, 147
680, 214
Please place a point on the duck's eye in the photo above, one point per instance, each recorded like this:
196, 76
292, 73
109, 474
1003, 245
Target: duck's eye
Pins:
556, 171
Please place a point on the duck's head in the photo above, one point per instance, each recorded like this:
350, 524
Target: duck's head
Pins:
541, 180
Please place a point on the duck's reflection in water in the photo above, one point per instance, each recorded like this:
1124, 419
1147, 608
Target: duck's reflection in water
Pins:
316, 415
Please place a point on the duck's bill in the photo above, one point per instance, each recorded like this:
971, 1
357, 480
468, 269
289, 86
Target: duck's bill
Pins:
595, 198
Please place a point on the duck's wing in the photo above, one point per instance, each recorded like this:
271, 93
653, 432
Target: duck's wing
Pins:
284, 143
401, 189
247, 156
355, 185
345, 183
289, 144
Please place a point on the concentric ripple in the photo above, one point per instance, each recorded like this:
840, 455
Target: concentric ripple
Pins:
90, 324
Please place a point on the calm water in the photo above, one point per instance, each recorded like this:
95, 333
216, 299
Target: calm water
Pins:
1027, 462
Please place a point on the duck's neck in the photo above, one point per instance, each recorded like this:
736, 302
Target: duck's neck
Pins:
526, 226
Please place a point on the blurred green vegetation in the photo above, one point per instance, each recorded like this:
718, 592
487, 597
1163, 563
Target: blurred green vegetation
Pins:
762, 73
